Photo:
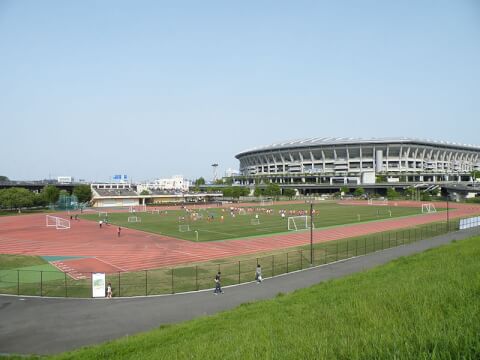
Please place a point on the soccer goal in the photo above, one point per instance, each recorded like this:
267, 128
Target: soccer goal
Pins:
138, 208
102, 214
184, 228
254, 221
383, 202
154, 211
57, 222
242, 211
266, 202
428, 208
134, 219
299, 222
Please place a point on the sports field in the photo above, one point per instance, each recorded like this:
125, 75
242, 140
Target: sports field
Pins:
225, 223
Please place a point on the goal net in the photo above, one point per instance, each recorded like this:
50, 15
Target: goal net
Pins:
103, 214
254, 221
266, 202
383, 202
57, 222
299, 222
242, 211
183, 228
154, 211
138, 208
134, 219
428, 208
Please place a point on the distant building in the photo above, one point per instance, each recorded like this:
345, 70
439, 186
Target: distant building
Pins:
65, 179
175, 183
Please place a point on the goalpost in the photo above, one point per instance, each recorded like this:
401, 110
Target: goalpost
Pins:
378, 202
134, 219
154, 211
57, 222
137, 208
242, 211
266, 202
428, 208
103, 214
299, 222
184, 228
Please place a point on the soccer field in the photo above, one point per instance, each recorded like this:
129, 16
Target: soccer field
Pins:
208, 225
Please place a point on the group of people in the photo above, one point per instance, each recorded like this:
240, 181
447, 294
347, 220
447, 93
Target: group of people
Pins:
218, 280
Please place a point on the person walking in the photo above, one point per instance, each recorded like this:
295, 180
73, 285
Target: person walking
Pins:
100, 223
109, 291
258, 274
218, 285
119, 231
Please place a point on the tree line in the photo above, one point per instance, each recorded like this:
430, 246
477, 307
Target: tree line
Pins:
18, 198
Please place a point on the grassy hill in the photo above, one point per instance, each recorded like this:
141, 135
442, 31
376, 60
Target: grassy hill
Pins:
424, 306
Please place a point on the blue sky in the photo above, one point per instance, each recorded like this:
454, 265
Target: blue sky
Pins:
152, 88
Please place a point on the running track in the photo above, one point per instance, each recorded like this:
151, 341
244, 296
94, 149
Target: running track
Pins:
103, 251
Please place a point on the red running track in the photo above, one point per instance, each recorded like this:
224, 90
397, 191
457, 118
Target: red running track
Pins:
137, 250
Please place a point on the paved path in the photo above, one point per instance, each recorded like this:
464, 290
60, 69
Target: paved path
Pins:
48, 326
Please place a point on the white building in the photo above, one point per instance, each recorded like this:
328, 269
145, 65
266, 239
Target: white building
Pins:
175, 183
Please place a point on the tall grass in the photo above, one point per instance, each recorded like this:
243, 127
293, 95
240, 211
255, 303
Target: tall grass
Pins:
421, 307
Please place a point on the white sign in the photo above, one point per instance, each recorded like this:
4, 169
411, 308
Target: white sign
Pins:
98, 285
469, 223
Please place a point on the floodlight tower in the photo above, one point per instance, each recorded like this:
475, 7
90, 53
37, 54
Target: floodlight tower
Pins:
214, 166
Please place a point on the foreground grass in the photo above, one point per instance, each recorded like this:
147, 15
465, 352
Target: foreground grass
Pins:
424, 306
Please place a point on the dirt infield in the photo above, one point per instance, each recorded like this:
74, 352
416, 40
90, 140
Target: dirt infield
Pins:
103, 251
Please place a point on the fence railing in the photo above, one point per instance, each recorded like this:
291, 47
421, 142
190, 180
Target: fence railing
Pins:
198, 277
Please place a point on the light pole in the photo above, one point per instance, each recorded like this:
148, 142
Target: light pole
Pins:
311, 234
448, 216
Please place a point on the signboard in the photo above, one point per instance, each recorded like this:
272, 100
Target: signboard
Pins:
98, 285
117, 177
469, 223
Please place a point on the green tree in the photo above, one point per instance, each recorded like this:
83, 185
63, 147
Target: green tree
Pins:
16, 198
4, 178
410, 192
83, 193
258, 191
290, 193
272, 190
51, 194
145, 192
359, 192
344, 189
200, 181
392, 193
227, 192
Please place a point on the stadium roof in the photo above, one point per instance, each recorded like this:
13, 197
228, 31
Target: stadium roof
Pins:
311, 142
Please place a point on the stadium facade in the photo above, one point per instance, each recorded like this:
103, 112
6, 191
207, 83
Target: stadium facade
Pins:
359, 161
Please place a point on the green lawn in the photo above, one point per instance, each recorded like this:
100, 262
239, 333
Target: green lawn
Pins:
420, 307
327, 214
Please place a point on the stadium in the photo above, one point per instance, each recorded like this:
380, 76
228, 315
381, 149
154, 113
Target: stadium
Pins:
359, 161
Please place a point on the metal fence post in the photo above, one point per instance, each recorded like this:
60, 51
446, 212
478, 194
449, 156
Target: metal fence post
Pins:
119, 285
287, 262
347, 248
18, 282
301, 259
196, 277
66, 287
356, 246
239, 271
173, 288
273, 265
146, 282
365, 245
337, 251
41, 282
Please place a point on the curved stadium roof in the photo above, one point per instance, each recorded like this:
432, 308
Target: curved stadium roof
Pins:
312, 142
